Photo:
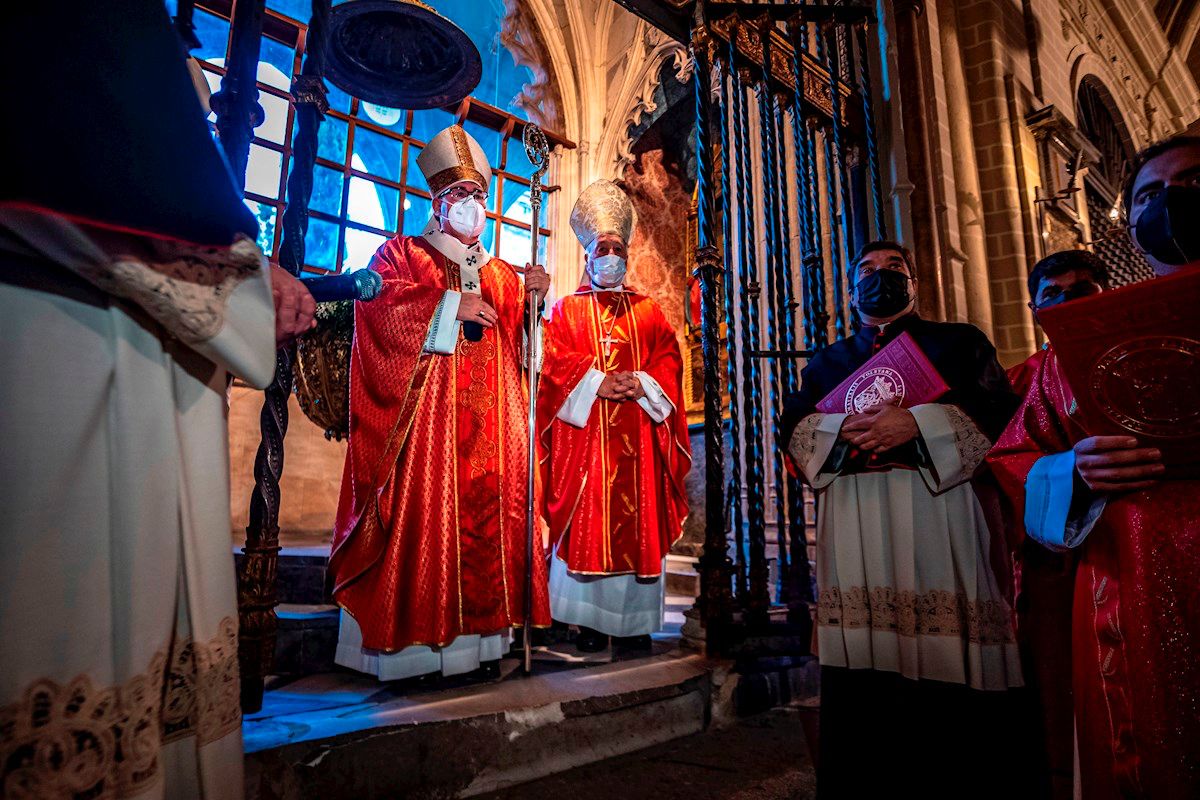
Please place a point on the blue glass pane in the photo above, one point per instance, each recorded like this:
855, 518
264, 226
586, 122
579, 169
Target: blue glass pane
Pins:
427, 124
320, 244
263, 171
275, 123
489, 236
299, 10
360, 247
518, 163
488, 139
266, 224
414, 177
514, 244
380, 155
516, 203
373, 204
332, 136
172, 7
480, 19
417, 211
279, 56
338, 100
390, 118
327, 191
213, 33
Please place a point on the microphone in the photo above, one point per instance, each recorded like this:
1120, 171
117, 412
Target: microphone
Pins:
362, 284
472, 331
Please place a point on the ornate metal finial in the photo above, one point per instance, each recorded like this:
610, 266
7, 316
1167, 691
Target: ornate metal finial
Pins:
537, 150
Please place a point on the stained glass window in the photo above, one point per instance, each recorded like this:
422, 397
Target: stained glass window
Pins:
366, 184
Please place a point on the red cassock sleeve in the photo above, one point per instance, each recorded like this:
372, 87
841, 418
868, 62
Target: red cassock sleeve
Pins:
1036, 430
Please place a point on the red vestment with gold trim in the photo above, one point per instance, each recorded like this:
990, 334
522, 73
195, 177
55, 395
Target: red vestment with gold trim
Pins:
1136, 615
429, 541
615, 493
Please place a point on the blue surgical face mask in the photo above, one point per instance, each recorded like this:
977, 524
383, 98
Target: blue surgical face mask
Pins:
608, 271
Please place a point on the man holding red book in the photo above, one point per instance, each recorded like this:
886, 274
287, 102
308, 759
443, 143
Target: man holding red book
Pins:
914, 629
1133, 520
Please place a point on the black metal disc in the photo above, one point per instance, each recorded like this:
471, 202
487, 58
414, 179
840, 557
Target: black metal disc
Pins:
400, 53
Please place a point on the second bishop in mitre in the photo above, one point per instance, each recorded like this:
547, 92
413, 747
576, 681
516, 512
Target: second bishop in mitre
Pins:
615, 439
429, 543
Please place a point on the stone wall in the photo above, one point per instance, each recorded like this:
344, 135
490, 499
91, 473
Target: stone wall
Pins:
980, 68
312, 471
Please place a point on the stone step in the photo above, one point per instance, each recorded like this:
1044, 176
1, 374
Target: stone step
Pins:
347, 736
306, 639
682, 576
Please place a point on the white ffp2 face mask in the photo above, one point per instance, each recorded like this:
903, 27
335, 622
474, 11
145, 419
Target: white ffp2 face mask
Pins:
466, 217
608, 271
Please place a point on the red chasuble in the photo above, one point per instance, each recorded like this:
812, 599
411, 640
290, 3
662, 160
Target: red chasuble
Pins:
615, 494
429, 542
1136, 616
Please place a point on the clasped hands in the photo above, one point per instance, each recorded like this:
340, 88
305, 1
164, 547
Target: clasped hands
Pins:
472, 307
621, 386
880, 428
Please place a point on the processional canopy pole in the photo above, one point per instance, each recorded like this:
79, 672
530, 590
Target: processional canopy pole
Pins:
537, 150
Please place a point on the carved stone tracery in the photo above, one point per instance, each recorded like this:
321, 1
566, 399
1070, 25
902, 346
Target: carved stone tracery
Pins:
540, 100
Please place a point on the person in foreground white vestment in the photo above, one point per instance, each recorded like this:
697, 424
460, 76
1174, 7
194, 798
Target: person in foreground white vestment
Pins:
118, 607
914, 631
614, 435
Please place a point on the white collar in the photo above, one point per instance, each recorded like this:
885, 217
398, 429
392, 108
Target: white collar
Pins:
470, 259
450, 247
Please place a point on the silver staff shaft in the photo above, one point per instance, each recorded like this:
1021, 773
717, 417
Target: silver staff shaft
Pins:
538, 151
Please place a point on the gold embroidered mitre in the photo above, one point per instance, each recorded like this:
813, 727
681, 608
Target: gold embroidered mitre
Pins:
602, 208
453, 156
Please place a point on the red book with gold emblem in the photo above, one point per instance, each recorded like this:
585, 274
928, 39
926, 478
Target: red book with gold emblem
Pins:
900, 374
1132, 359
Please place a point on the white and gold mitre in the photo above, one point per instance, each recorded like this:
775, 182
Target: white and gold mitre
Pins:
452, 156
602, 208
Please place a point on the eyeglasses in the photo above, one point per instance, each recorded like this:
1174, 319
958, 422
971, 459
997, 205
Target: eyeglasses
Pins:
458, 194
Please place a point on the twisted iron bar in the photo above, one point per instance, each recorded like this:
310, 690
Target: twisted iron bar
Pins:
733, 491
774, 278
745, 272
817, 273
865, 89
832, 171
847, 205
257, 583
795, 583
809, 252
758, 599
716, 600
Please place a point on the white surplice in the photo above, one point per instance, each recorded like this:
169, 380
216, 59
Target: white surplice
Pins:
903, 567
118, 606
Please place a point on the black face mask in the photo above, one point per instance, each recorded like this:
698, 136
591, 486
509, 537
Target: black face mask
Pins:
1169, 227
883, 293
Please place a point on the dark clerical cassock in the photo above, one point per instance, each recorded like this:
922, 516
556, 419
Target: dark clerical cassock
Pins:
914, 630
